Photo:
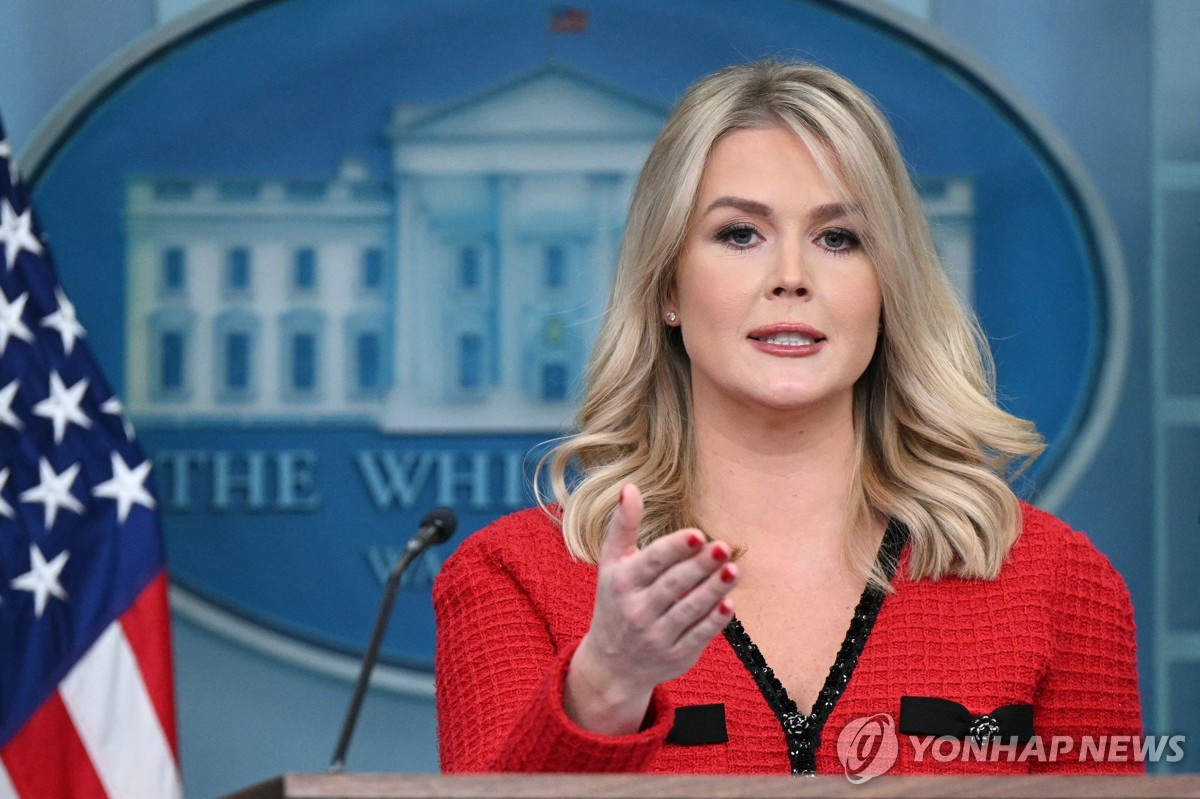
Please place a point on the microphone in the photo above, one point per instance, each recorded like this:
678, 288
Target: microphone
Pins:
436, 528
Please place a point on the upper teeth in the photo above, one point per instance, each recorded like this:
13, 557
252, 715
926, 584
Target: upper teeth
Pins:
789, 339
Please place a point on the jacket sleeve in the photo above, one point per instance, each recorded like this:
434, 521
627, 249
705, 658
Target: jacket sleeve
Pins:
499, 678
1089, 693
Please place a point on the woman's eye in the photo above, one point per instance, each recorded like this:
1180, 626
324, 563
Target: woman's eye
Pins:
838, 240
738, 235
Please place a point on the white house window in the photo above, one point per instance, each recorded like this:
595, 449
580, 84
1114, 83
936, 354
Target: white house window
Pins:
235, 333
304, 270
237, 361
174, 271
301, 336
304, 361
169, 335
171, 361
368, 372
469, 276
555, 262
372, 270
237, 270
470, 361
554, 382
368, 351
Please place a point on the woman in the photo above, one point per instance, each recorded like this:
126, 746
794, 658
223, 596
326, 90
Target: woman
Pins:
790, 454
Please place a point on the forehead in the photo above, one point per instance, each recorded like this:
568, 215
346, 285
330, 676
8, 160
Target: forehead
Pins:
765, 163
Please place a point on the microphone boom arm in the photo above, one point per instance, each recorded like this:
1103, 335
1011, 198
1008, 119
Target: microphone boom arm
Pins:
437, 527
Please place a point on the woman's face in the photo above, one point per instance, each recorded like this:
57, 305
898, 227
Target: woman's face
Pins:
778, 302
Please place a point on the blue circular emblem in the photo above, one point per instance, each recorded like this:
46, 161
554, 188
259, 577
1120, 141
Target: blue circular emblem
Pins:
344, 264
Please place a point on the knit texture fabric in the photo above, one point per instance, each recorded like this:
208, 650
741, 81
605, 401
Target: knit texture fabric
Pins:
1055, 630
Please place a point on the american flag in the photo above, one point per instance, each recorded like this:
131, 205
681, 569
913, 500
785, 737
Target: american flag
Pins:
568, 20
86, 696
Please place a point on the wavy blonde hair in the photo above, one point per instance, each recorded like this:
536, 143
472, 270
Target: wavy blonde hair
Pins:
933, 449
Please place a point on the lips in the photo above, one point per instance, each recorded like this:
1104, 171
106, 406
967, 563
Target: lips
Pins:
787, 335
789, 340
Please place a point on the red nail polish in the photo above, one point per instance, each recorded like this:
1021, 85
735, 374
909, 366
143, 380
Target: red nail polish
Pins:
621, 496
724, 606
720, 553
695, 540
727, 574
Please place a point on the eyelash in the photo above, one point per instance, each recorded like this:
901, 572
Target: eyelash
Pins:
853, 242
725, 235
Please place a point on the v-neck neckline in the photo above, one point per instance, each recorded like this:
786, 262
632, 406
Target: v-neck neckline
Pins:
803, 731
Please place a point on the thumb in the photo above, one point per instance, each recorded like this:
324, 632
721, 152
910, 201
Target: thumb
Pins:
620, 539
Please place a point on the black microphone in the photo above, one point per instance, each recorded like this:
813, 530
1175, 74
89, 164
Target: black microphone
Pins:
436, 528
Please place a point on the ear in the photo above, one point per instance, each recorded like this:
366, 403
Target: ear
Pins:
670, 309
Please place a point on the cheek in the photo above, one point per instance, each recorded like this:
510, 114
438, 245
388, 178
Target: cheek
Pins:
862, 311
709, 301
870, 298
710, 324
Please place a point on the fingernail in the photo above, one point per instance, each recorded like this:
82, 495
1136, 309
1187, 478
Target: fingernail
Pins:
695, 540
724, 606
720, 553
621, 496
727, 574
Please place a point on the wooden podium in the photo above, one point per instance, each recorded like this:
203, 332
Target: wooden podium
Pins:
638, 786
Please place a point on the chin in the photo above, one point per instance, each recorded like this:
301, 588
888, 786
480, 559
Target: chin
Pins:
801, 401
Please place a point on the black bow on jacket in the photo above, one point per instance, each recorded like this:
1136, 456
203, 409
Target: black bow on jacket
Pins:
929, 715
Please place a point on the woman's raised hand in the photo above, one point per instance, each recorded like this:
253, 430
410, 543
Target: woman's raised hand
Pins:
656, 609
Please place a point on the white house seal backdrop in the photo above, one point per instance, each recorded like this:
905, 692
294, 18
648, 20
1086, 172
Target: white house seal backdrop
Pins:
345, 262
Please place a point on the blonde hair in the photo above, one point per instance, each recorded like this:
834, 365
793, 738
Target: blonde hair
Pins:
933, 449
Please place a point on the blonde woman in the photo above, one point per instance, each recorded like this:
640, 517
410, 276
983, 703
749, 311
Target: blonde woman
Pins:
785, 510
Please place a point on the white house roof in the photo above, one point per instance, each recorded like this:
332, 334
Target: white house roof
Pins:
550, 120
551, 102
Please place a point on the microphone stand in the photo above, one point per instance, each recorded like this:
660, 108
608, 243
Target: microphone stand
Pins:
414, 549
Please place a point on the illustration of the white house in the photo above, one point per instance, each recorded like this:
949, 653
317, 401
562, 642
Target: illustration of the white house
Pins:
461, 293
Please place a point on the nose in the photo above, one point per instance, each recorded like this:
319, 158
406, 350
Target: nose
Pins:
785, 290
791, 277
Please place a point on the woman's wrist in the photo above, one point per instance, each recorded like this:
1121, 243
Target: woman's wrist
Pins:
600, 701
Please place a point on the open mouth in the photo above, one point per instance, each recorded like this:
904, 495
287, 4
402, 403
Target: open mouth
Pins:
788, 339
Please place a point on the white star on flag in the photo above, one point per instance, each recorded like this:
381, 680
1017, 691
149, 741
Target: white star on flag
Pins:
5, 508
42, 578
113, 405
62, 406
7, 395
65, 322
54, 491
103, 670
17, 233
127, 486
6, 154
11, 323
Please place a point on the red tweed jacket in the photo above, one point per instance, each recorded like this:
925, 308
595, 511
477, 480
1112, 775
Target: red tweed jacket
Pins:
1054, 631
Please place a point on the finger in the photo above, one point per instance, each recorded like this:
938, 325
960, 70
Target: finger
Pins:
696, 604
693, 563
696, 637
620, 539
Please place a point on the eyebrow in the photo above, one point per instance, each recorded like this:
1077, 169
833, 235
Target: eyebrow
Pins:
822, 213
740, 204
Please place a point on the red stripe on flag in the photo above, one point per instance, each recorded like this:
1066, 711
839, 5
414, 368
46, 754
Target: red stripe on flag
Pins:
147, 628
569, 20
46, 759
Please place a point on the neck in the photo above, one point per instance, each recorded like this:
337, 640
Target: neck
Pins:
784, 477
